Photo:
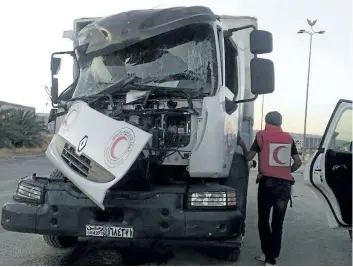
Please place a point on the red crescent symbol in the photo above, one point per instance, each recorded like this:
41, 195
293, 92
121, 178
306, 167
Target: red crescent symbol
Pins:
112, 148
275, 155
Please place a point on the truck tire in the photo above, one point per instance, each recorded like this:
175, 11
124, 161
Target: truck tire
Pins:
56, 241
226, 254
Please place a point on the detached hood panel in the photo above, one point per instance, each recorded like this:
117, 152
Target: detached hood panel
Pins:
113, 145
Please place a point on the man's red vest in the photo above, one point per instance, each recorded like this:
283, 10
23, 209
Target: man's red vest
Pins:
275, 155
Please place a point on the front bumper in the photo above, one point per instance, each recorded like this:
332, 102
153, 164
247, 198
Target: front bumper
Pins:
156, 216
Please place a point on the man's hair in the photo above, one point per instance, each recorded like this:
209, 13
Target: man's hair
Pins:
274, 118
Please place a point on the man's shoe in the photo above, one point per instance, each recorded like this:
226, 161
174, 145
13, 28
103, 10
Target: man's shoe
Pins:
269, 264
261, 258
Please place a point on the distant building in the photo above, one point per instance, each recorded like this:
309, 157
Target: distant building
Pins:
312, 140
42, 117
7, 105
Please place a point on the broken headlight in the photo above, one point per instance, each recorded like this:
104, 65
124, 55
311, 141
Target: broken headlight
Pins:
212, 199
28, 192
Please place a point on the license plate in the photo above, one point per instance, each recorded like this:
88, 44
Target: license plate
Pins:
109, 231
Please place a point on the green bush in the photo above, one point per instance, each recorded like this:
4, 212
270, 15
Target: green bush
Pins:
19, 128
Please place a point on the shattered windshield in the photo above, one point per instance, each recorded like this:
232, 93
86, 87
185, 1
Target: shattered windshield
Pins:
183, 58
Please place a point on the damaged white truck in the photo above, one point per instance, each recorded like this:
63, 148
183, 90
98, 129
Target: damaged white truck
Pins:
147, 149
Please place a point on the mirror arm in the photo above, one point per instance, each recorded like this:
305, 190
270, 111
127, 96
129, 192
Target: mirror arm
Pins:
246, 100
63, 53
228, 33
57, 106
55, 115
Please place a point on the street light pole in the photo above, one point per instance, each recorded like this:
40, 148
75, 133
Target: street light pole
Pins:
307, 93
311, 33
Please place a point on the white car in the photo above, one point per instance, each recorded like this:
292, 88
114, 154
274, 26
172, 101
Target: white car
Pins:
329, 170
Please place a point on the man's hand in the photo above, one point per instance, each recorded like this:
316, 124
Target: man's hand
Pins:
240, 141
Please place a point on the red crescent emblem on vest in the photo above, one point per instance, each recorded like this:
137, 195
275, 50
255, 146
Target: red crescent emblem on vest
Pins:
275, 155
112, 148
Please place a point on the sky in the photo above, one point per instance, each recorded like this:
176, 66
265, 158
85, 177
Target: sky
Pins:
32, 30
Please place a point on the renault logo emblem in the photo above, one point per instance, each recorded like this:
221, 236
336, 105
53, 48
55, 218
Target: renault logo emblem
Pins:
82, 143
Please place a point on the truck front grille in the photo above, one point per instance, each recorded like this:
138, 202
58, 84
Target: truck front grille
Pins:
79, 164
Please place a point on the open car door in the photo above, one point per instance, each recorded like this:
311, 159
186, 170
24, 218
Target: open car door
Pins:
329, 171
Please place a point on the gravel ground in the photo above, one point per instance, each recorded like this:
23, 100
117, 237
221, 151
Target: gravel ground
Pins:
307, 239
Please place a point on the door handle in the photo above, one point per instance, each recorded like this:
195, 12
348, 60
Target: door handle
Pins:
317, 170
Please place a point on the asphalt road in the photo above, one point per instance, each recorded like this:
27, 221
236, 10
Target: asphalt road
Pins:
307, 239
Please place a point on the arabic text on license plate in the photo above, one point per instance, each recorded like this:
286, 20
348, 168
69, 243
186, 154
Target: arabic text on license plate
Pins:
109, 231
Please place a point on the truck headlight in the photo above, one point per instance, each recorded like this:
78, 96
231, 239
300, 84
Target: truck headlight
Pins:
28, 192
212, 199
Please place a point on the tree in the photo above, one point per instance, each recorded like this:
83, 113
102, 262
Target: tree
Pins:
20, 128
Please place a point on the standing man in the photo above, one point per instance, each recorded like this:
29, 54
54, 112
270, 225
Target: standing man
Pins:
275, 149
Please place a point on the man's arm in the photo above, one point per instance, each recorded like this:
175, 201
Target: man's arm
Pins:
295, 155
249, 155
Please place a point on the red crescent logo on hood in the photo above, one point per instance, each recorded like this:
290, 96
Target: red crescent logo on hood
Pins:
116, 153
112, 148
275, 155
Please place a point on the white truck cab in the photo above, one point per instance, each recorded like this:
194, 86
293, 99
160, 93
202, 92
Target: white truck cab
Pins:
147, 148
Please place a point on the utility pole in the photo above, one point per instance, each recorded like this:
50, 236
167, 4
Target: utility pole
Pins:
311, 32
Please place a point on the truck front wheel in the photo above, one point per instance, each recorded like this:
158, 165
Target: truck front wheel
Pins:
60, 241
225, 253
229, 254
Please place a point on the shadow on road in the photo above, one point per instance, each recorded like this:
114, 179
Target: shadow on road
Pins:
94, 254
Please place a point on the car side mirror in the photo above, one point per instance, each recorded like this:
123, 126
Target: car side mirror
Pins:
262, 76
261, 42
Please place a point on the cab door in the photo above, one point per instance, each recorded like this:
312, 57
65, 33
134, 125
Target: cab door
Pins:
329, 171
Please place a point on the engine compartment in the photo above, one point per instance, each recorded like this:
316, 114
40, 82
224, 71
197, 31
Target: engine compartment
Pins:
169, 130
164, 160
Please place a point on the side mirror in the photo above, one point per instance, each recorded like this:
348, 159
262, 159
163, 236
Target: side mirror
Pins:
54, 90
261, 42
55, 65
262, 76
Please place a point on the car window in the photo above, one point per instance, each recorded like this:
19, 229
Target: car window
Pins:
342, 137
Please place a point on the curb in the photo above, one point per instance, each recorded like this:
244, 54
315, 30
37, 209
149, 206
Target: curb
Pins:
22, 157
29, 156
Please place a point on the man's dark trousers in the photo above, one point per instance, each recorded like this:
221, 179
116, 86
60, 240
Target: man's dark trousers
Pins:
272, 193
